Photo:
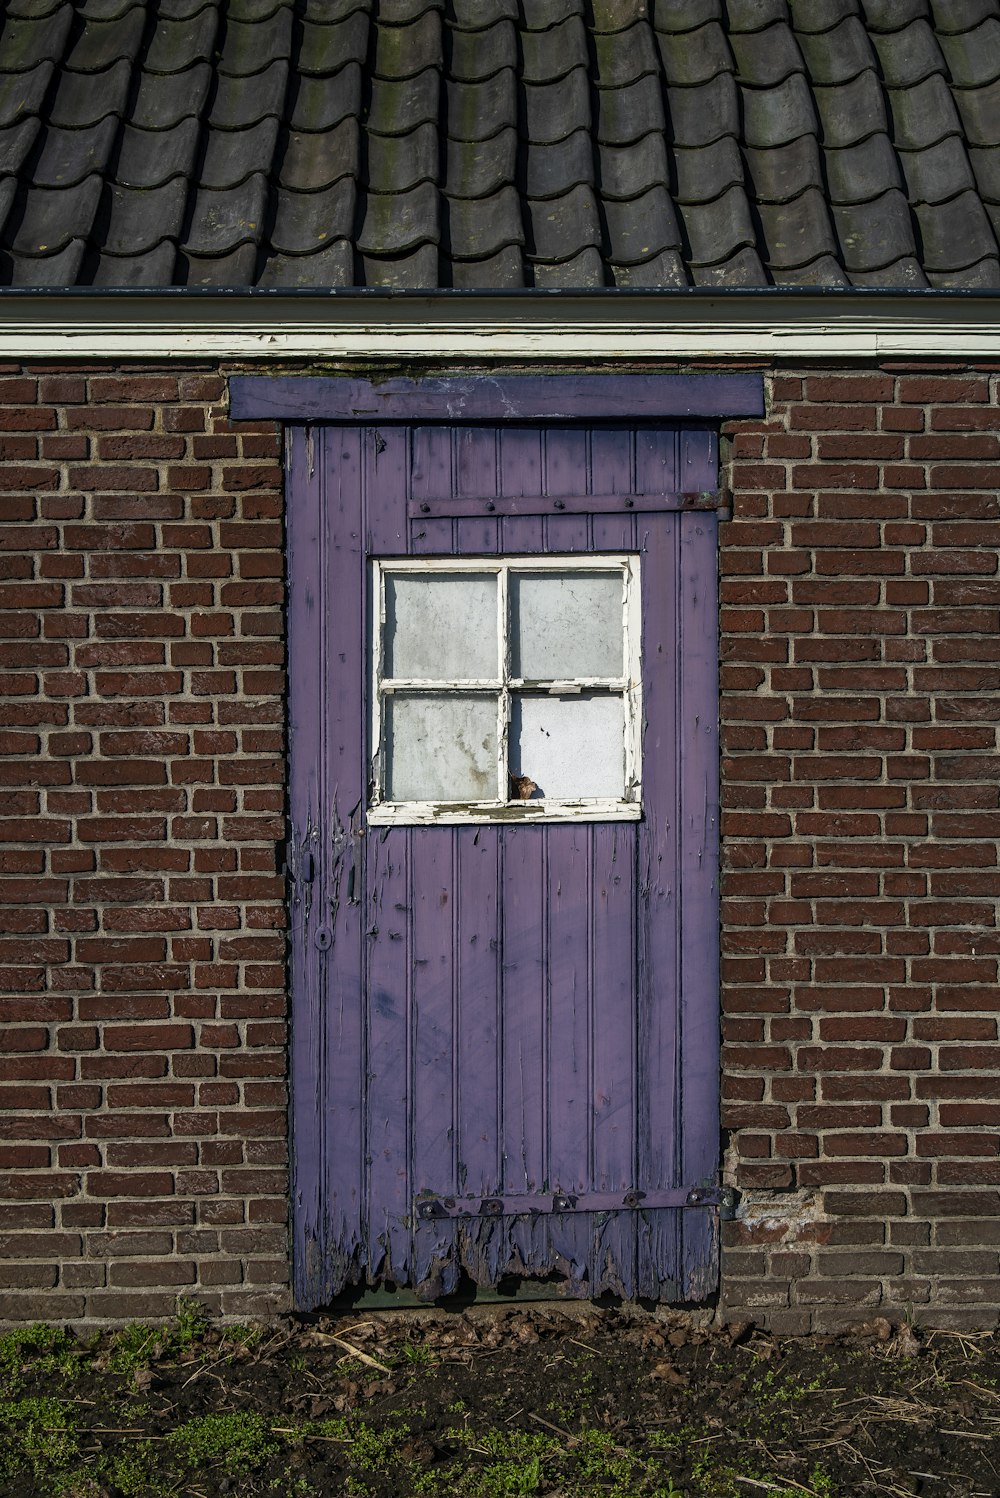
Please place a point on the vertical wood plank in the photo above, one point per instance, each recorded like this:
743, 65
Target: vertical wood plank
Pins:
388, 930
657, 465
699, 871
520, 461
658, 905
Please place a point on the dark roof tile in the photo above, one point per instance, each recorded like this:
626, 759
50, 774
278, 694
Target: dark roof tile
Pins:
685, 15
34, 9
330, 12
985, 165
837, 56
797, 233
876, 233
775, 116
67, 156
61, 269
937, 174
665, 269
893, 15
814, 16
584, 270
503, 271
248, 46
973, 57
396, 223
321, 103
477, 15
418, 268
781, 174
824, 271
754, 15
312, 161
398, 162
325, 49
904, 273
139, 218
233, 155
909, 56
24, 44
616, 15
477, 111
479, 228
626, 56
985, 276
239, 268
155, 268
23, 93
554, 110
627, 171
855, 174
639, 230
54, 216
331, 266
961, 15
549, 55
402, 12
405, 51
550, 171
184, 10
176, 45
148, 158
627, 114
559, 228
852, 112
165, 99
221, 221
716, 230
84, 98
924, 115
955, 234
101, 44
479, 54
475, 169
744, 268
696, 56
980, 112
8, 192
766, 58
240, 102
397, 107
308, 221
15, 143
705, 173
700, 115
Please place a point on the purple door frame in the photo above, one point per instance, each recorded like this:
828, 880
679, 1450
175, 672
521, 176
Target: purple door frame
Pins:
358, 1159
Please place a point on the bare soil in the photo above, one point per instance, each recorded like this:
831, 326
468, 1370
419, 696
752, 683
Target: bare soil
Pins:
498, 1401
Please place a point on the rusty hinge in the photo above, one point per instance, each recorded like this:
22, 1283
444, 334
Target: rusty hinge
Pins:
429, 1205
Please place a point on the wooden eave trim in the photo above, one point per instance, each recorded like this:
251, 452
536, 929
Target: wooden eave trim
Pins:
760, 326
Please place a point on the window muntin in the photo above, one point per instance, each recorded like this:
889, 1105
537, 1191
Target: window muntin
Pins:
505, 689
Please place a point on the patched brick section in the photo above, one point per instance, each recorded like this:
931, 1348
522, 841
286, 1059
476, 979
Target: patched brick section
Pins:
861, 795
142, 1050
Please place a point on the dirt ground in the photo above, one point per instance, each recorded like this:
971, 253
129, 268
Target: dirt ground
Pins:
497, 1401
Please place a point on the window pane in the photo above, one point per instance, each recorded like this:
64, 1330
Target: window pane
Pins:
441, 627
440, 748
566, 624
571, 747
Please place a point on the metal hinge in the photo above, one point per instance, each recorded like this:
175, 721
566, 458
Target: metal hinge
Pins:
429, 1205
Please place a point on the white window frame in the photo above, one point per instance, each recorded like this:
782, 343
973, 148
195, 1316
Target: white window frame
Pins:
382, 812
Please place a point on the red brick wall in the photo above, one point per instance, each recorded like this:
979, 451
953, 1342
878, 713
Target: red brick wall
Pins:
142, 1096
142, 1101
861, 793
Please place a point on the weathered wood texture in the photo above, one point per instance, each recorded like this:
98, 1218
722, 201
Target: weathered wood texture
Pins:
513, 1011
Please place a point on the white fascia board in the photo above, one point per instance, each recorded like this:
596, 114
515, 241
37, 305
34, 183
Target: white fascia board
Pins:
612, 326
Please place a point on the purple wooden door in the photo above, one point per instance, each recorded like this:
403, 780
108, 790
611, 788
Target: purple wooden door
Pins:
504, 1037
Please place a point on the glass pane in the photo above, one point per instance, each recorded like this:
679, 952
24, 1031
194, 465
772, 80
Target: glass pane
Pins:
570, 747
441, 626
566, 624
440, 748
